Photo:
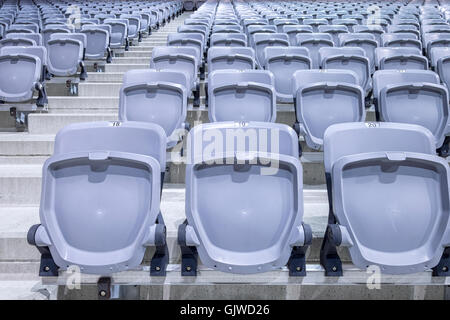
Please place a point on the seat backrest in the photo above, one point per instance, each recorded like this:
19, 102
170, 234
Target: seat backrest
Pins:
245, 184
38, 51
228, 40
263, 40
438, 53
74, 36
36, 37
334, 31
247, 95
64, 56
187, 39
383, 78
352, 138
177, 58
113, 136
400, 58
293, 30
314, 41
20, 72
283, 62
387, 37
314, 90
97, 41
21, 42
156, 96
240, 58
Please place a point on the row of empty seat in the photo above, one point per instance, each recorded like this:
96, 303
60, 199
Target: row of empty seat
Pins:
388, 188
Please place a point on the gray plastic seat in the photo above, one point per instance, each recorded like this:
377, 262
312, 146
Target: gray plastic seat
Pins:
373, 29
365, 41
226, 29
238, 58
413, 96
17, 42
65, 56
244, 203
196, 40
134, 25
47, 33
389, 199
400, 58
203, 30
283, 62
434, 40
228, 40
36, 37
314, 41
254, 29
38, 51
280, 23
315, 23
323, 98
20, 74
440, 59
263, 40
74, 36
347, 58
404, 40
247, 95
334, 31
156, 96
97, 42
404, 29
293, 30
119, 32
349, 23
101, 195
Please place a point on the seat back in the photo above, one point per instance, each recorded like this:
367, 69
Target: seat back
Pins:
228, 40
397, 163
17, 42
183, 59
247, 95
36, 37
293, 30
64, 56
400, 58
415, 97
155, 96
38, 51
283, 62
239, 58
48, 31
20, 73
347, 58
241, 164
334, 31
102, 169
365, 41
196, 40
314, 41
314, 90
263, 40
441, 62
97, 42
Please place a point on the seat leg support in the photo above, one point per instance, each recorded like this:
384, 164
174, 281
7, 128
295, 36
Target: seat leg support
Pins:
160, 259
297, 260
83, 74
189, 255
109, 55
443, 267
329, 258
104, 288
196, 102
48, 267
444, 150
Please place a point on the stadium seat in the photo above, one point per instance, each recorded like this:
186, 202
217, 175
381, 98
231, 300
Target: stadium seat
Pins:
334, 31
365, 41
400, 58
65, 56
257, 223
238, 58
110, 171
228, 40
323, 98
156, 96
314, 41
247, 95
179, 59
381, 179
263, 40
283, 62
97, 40
36, 37
293, 30
17, 42
119, 33
347, 58
402, 96
440, 59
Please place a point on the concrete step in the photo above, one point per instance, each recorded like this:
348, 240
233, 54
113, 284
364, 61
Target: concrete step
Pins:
51, 123
105, 77
131, 60
125, 67
15, 222
104, 89
142, 47
70, 104
139, 54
